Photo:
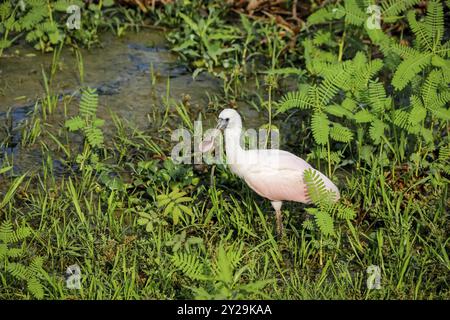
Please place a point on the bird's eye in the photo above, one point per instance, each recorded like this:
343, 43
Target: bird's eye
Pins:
227, 119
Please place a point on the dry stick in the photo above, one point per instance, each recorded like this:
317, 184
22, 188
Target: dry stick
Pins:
294, 10
141, 6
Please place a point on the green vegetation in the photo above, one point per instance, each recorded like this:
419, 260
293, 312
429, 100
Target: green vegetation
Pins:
368, 107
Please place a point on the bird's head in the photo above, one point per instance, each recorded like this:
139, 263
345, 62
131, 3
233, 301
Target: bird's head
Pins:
229, 119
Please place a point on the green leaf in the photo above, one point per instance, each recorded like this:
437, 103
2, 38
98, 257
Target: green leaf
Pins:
75, 123
320, 127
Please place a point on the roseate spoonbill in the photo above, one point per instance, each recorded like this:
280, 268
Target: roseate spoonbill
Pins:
273, 174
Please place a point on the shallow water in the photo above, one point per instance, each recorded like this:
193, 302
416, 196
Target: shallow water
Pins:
121, 70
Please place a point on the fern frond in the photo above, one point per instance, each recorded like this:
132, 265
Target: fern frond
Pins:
317, 191
377, 97
322, 37
444, 154
344, 212
401, 119
367, 72
331, 85
324, 221
36, 265
88, 103
418, 112
363, 116
3, 251
22, 233
441, 113
408, 69
320, 16
349, 104
320, 126
94, 136
440, 101
75, 123
341, 133
190, 265
403, 51
376, 130
15, 252
429, 88
7, 234
308, 224
35, 288
338, 111
295, 99
434, 22
353, 13
32, 18
420, 31
18, 271
5, 10
396, 7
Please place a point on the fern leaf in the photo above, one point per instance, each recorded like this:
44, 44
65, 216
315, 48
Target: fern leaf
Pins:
320, 127
408, 69
5, 10
363, 116
353, 13
377, 97
341, 133
429, 89
396, 7
35, 288
75, 123
18, 271
344, 212
3, 251
434, 22
295, 99
418, 113
320, 16
7, 234
94, 136
420, 31
401, 119
444, 154
338, 111
190, 265
323, 220
317, 191
89, 103
376, 130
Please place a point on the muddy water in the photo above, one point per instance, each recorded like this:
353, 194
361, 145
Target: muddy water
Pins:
121, 71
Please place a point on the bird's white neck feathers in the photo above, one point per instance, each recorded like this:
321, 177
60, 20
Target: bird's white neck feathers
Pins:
233, 144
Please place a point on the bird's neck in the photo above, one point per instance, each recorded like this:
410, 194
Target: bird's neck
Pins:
233, 147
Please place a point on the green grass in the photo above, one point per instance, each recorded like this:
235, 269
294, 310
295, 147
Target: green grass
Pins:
78, 219
141, 227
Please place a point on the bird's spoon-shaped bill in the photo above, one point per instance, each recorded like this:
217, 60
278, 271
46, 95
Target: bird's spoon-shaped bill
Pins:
208, 143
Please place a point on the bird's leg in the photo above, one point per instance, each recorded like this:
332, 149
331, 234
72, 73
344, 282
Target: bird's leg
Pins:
279, 223
277, 206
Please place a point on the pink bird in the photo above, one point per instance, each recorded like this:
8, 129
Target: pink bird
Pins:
273, 174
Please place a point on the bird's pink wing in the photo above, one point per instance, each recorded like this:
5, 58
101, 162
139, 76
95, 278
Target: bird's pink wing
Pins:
278, 186
278, 175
